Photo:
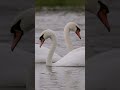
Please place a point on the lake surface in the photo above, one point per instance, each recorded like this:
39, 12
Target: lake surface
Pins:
59, 78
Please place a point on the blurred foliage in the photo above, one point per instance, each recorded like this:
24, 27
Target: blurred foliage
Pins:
60, 3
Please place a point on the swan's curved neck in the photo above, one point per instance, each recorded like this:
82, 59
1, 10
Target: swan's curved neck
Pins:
51, 51
68, 39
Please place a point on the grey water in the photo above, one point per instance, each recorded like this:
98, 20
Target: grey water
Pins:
59, 78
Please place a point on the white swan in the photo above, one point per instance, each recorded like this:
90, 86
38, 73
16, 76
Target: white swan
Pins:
41, 57
102, 70
100, 9
24, 23
22, 29
73, 58
71, 26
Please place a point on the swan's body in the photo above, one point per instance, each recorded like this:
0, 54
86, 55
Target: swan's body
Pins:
23, 33
73, 58
103, 71
41, 53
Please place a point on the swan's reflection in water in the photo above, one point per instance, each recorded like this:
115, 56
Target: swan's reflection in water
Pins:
59, 78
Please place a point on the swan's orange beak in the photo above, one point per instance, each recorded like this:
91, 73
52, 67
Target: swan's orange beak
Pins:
42, 41
16, 38
102, 15
78, 33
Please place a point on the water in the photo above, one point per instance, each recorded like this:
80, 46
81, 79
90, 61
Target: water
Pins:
59, 78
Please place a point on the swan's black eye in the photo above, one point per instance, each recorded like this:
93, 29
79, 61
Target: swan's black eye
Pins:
41, 38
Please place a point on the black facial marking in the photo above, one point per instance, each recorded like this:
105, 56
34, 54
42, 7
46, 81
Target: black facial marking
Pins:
103, 6
41, 37
78, 28
16, 27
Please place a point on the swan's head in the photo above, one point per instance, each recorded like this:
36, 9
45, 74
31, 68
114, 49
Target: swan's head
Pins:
71, 26
17, 34
102, 15
77, 31
45, 35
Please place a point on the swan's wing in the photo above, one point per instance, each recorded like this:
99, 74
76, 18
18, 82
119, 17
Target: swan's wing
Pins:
73, 58
42, 53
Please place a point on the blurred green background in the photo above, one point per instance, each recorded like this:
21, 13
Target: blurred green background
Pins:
60, 3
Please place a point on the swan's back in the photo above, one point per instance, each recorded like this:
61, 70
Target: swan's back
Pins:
74, 58
41, 54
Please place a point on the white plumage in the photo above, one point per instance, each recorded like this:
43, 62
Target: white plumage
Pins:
73, 58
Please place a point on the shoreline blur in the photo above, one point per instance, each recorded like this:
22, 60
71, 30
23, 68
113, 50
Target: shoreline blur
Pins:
60, 5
